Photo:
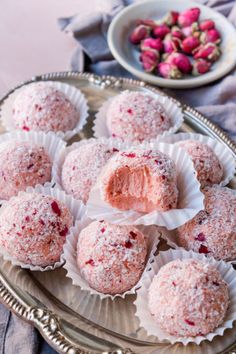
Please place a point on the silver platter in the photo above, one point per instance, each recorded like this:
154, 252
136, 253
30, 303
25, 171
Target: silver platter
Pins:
71, 321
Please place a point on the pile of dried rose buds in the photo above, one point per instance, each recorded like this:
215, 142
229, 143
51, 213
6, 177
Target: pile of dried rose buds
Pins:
177, 45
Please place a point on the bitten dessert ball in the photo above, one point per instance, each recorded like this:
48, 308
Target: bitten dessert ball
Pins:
111, 258
206, 163
212, 231
33, 228
135, 116
40, 106
22, 164
188, 298
140, 180
82, 167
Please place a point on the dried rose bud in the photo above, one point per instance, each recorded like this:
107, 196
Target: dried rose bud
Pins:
201, 66
150, 59
148, 22
188, 31
208, 51
210, 36
181, 61
171, 44
154, 43
139, 33
186, 18
206, 25
171, 18
169, 71
189, 44
161, 31
176, 32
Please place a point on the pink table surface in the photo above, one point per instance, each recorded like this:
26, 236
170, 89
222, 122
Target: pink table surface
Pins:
30, 40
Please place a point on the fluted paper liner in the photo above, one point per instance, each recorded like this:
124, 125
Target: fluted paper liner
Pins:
141, 302
59, 160
173, 110
190, 196
76, 208
222, 152
69, 254
73, 94
171, 237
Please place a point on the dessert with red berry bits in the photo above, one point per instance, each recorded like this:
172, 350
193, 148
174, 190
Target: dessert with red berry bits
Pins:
136, 116
206, 163
111, 258
188, 298
140, 180
41, 107
22, 164
213, 230
33, 228
82, 166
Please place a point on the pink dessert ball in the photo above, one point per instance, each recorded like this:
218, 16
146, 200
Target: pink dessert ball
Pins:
188, 298
33, 228
135, 116
111, 258
22, 164
82, 167
213, 231
206, 163
40, 106
140, 180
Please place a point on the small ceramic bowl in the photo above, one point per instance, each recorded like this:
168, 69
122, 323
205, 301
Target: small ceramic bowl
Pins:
128, 55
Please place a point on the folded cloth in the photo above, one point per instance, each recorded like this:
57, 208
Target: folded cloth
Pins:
216, 101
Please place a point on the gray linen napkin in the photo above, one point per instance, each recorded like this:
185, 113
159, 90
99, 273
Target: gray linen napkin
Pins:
217, 101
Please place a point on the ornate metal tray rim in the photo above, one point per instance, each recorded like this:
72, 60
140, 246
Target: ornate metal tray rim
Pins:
50, 325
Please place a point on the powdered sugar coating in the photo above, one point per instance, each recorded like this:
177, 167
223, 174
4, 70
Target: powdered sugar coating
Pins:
135, 116
140, 180
206, 163
111, 258
22, 164
82, 167
213, 231
188, 298
33, 228
39, 106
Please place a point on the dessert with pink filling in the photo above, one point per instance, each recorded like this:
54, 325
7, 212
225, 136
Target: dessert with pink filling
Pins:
213, 230
22, 164
39, 106
188, 298
135, 116
33, 228
140, 180
206, 163
111, 258
82, 167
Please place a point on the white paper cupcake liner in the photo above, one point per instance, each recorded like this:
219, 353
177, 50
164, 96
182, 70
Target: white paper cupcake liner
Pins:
171, 238
190, 197
173, 110
222, 152
59, 161
76, 208
141, 302
51, 143
73, 94
69, 254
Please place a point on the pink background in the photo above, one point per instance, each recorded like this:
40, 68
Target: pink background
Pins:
30, 40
